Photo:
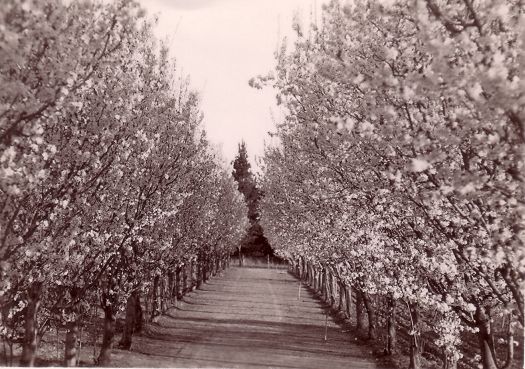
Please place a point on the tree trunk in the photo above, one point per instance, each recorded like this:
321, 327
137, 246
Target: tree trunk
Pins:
415, 339
372, 335
485, 338
510, 344
348, 296
154, 302
330, 288
162, 295
199, 268
391, 339
104, 357
139, 316
187, 286
450, 363
130, 322
324, 284
341, 306
205, 271
171, 288
70, 355
30, 344
204, 265
335, 291
192, 275
309, 278
359, 310
184, 279
177, 284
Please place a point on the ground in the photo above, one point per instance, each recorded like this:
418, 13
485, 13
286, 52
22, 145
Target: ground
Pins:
248, 317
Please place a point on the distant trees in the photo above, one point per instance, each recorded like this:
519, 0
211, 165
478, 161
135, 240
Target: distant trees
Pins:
254, 241
108, 185
246, 183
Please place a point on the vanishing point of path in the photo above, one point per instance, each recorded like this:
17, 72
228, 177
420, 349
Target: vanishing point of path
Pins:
246, 318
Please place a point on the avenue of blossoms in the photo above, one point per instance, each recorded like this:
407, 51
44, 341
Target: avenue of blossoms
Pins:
399, 172
109, 189
392, 188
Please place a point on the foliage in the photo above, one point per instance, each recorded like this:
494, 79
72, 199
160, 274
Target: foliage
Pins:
106, 177
400, 162
254, 241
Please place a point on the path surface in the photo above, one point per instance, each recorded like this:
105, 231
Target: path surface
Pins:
246, 318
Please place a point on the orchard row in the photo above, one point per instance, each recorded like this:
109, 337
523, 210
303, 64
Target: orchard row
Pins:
400, 169
108, 185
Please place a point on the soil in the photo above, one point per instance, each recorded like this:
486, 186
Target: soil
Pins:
247, 318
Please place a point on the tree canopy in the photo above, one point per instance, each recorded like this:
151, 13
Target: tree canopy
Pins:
254, 241
400, 162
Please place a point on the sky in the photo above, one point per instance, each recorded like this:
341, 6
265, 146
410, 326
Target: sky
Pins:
221, 44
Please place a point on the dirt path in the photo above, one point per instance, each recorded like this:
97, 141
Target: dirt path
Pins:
246, 318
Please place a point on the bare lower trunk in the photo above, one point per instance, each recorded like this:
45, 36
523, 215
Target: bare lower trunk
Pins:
415, 339
155, 298
330, 289
192, 275
348, 296
104, 357
171, 288
130, 322
342, 292
178, 293
162, 295
184, 280
485, 339
450, 363
72, 330
510, 344
371, 316
70, 354
323, 284
30, 344
240, 257
360, 310
200, 267
139, 315
205, 273
391, 341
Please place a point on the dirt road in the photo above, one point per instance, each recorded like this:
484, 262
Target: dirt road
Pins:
246, 318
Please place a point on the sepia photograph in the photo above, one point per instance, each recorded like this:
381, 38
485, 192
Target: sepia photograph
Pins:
296, 184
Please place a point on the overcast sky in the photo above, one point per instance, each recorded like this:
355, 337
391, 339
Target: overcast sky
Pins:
221, 44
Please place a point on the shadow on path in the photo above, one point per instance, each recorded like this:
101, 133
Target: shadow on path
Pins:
247, 318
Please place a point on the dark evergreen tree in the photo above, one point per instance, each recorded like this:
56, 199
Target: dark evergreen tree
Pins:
254, 242
246, 181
